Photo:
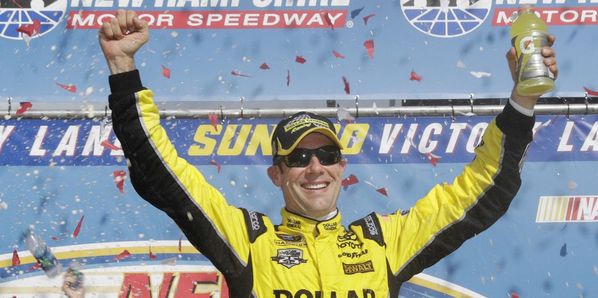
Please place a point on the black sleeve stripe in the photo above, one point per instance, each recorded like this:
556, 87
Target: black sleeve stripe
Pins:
371, 228
255, 224
488, 208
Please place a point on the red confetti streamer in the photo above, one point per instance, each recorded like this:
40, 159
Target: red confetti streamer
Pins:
166, 72
590, 91
30, 29
288, 77
213, 120
433, 159
151, 255
337, 54
382, 191
415, 77
264, 66
69, 88
347, 86
369, 46
300, 59
119, 179
367, 18
106, 144
239, 74
55, 238
352, 179
36, 266
180, 244
328, 20
78, 227
218, 166
123, 255
24, 106
514, 295
16, 261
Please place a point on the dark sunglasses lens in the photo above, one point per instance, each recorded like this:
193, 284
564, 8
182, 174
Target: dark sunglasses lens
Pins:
298, 158
327, 155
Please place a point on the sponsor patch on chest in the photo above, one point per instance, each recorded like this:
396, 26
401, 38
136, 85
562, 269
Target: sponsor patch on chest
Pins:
289, 257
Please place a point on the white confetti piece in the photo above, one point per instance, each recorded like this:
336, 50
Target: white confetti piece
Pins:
480, 74
460, 64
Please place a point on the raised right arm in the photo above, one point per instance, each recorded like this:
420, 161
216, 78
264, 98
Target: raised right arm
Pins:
158, 174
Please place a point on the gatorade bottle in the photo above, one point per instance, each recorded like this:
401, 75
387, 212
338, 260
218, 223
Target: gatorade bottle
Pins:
528, 35
43, 254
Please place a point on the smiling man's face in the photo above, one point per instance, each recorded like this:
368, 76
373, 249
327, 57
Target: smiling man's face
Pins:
312, 190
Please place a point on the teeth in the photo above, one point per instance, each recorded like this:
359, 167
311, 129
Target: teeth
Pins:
314, 186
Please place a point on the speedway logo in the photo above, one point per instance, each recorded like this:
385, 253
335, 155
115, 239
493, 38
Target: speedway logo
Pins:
41, 15
454, 18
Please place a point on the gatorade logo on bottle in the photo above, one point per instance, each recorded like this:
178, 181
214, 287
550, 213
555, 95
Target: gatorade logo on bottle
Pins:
526, 45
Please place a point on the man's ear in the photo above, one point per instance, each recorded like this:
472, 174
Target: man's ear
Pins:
275, 174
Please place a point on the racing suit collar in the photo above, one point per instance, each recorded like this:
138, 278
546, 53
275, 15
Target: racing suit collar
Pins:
305, 225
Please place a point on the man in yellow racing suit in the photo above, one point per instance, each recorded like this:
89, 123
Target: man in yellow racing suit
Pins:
310, 253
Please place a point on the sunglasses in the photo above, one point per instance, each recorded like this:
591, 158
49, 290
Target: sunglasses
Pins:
300, 157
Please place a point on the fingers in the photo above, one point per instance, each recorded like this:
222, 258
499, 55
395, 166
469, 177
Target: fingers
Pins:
550, 60
123, 23
551, 39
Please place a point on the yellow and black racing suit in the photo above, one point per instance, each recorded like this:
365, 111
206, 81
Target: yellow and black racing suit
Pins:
306, 258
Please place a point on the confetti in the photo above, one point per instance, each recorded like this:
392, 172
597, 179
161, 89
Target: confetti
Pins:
572, 184
356, 12
264, 66
563, 252
16, 261
414, 76
382, 191
36, 266
119, 179
328, 20
180, 243
24, 106
375, 108
54, 238
69, 88
288, 77
123, 255
347, 87
352, 179
432, 158
30, 29
343, 114
337, 54
213, 120
590, 91
514, 295
239, 74
460, 64
106, 144
369, 46
78, 228
218, 166
151, 255
300, 59
367, 18
480, 74
166, 72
